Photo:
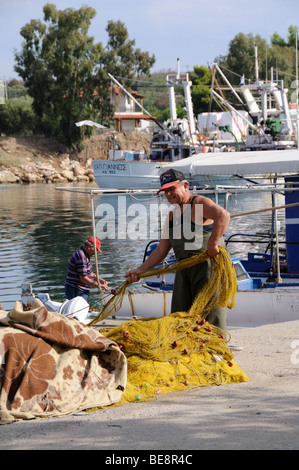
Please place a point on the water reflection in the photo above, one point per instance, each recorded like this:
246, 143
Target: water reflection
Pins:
40, 227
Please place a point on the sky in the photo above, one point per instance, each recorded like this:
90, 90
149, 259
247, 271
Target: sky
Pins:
195, 31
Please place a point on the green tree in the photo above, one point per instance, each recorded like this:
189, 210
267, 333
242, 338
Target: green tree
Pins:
57, 63
201, 82
124, 59
279, 54
282, 55
240, 59
66, 72
293, 32
16, 91
17, 117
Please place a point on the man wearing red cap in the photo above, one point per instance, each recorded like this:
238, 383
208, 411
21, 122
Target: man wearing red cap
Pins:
211, 226
80, 277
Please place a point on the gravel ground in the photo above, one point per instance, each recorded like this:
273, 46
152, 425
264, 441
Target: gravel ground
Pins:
260, 414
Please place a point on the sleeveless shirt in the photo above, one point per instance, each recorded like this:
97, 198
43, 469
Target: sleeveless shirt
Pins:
187, 237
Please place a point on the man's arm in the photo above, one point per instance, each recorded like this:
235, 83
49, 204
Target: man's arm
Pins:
93, 282
155, 258
213, 213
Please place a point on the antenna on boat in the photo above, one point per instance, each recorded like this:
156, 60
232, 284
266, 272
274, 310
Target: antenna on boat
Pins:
171, 81
178, 76
256, 65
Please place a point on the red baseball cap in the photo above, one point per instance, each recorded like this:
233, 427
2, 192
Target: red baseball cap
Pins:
170, 178
98, 243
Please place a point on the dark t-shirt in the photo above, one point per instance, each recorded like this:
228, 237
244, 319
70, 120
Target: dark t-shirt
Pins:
79, 265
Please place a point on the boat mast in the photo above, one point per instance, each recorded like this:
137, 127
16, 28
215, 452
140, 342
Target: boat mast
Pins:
171, 94
228, 83
256, 61
188, 100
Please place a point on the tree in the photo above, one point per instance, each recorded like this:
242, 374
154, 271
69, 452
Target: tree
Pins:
280, 55
17, 117
291, 39
201, 83
57, 63
124, 59
240, 59
66, 72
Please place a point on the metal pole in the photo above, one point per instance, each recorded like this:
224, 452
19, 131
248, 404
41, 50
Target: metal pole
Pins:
233, 109
297, 117
279, 280
275, 208
135, 101
228, 83
94, 240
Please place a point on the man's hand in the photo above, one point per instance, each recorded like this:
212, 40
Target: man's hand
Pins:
103, 284
212, 249
132, 275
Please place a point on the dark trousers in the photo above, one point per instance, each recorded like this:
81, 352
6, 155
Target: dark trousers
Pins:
188, 283
71, 292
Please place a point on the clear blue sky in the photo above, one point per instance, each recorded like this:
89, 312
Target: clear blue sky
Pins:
196, 31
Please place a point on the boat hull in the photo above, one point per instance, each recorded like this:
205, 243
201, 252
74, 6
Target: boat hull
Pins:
119, 174
126, 174
253, 307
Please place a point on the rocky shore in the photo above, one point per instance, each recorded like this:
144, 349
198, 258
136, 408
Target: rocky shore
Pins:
37, 172
43, 160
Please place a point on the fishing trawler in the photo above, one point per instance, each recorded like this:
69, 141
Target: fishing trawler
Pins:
176, 139
267, 133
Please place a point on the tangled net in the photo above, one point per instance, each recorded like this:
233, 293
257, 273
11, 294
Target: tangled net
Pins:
180, 350
220, 290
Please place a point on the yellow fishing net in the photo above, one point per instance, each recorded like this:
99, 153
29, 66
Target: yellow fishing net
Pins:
180, 350
220, 290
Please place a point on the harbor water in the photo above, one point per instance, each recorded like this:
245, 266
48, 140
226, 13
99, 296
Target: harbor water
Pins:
40, 226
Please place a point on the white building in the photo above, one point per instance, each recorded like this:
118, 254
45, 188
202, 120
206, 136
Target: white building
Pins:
127, 117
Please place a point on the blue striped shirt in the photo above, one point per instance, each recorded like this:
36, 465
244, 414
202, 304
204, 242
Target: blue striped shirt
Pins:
79, 265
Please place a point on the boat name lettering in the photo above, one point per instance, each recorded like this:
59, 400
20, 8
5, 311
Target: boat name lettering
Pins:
110, 167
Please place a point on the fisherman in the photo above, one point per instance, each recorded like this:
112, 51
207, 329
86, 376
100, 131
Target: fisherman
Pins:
209, 222
80, 277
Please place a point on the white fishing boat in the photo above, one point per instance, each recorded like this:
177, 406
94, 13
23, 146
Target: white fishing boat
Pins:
263, 127
267, 122
176, 139
254, 306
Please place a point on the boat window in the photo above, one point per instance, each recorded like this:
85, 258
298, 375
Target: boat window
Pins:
186, 152
166, 155
241, 274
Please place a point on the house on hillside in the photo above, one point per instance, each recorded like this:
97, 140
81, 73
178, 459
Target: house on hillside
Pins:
127, 116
